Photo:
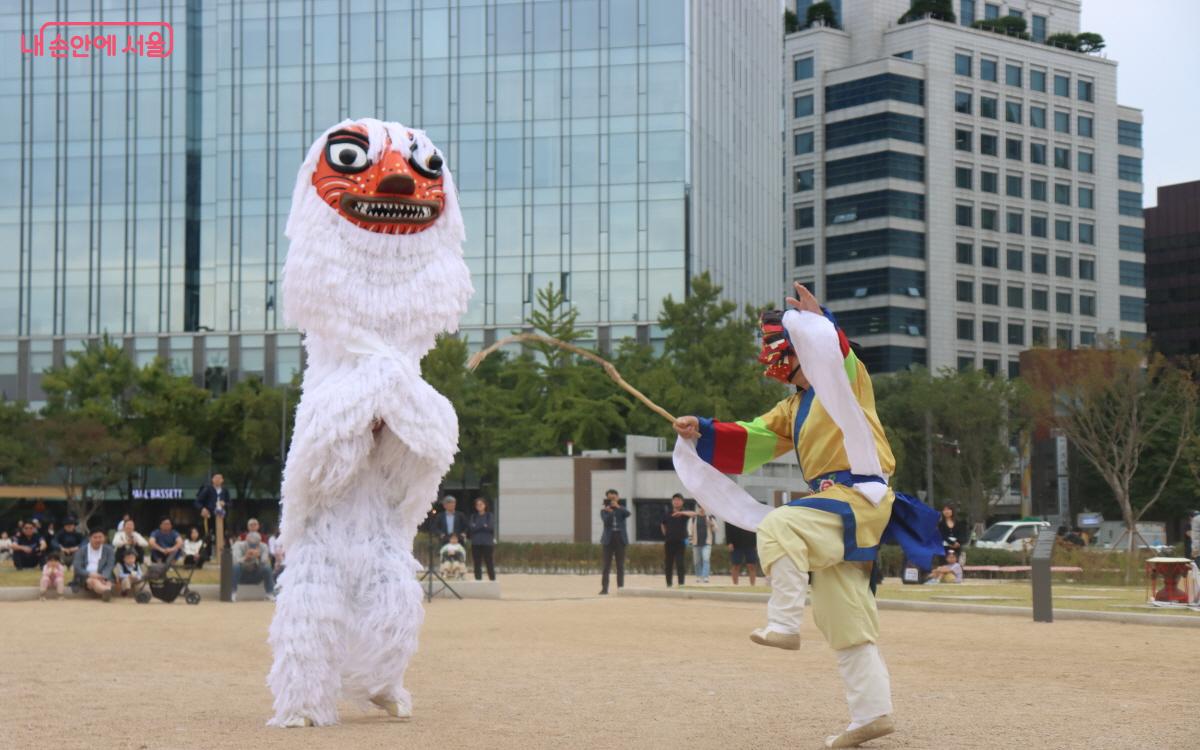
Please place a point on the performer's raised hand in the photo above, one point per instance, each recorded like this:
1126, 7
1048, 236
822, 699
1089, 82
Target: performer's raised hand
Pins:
687, 427
804, 300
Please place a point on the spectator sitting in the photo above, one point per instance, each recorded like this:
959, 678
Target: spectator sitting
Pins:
53, 574
165, 543
124, 519
193, 549
454, 559
1076, 538
28, 547
127, 538
128, 573
5, 546
250, 560
951, 572
94, 566
68, 541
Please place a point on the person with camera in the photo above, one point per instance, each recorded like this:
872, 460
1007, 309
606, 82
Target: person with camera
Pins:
614, 538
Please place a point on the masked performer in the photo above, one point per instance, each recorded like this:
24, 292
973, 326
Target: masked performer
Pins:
835, 532
374, 272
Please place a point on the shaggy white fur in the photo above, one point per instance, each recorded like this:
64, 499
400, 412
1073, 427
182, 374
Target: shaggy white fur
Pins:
369, 305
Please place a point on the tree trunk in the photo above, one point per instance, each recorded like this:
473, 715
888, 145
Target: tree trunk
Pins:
1131, 531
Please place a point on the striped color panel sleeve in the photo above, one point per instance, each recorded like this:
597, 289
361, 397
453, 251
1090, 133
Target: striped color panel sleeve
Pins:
739, 447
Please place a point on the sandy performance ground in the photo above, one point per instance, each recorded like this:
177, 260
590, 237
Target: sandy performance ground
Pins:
555, 666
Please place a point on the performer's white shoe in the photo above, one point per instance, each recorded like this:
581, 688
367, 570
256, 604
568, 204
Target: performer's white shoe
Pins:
297, 722
785, 641
393, 708
880, 727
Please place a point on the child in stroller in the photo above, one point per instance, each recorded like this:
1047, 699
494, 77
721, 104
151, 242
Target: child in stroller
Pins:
166, 582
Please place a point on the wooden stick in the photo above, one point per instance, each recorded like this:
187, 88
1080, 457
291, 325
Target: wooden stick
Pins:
525, 338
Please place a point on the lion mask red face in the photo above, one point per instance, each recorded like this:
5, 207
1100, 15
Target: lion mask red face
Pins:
777, 352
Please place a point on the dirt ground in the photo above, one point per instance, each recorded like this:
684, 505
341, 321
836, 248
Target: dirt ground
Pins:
552, 665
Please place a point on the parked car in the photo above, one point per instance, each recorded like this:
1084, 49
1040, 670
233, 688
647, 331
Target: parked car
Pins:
1011, 535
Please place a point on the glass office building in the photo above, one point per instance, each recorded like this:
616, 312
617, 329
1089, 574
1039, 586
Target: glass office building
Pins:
613, 148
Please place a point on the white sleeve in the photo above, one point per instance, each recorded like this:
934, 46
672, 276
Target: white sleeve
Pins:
717, 493
816, 343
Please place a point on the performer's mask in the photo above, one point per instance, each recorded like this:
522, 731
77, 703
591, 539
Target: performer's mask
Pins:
777, 352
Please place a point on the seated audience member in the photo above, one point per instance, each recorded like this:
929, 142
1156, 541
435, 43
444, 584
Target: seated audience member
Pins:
127, 538
1075, 537
121, 524
53, 574
128, 573
250, 559
165, 543
951, 572
68, 541
94, 566
28, 547
454, 559
193, 549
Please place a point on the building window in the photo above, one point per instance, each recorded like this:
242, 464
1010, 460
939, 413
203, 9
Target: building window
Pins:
1037, 188
1133, 309
1040, 299
987, 70
1062, 266
1062, 122
875, 243
1087, 269
962, 178
802, 106
804, 217
989, 218
1015, 222
964, 215
1016, 259
1064, 338
1130, 238
906, 55
1087, 199
962, 102
1062, 302
965, 291
875, 204
962, 64
1012, 112
1062, 230
1016, 297
1016, 334
989, 145
1041, 335
804, 255
988, 107
966, 362
990, 256
1013, 184
1087, 338
1039, 34
873, 166
1129, 168
1013, 148
802, 143
1062, 157
1012, 75
966, 12
1038, 226
1133, 274
1086, 162
1062, 193
1129, 203
1087, 305
1037, 80
989, 181
964, 252
804, 180
885, 86
1083, 126
1037, 117
991, 10
876, 281
1062, 85
874, 128
1038, 262
962, 140
990, 333
990, 293
966, 329
1084, 90
1129, 133
1087, 233
802, 68
1037, 153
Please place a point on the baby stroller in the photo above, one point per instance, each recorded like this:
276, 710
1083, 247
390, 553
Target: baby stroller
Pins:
166, 583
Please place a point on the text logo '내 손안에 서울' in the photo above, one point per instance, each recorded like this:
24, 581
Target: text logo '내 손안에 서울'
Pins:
101, 38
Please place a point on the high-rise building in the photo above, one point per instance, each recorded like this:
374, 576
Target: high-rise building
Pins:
959, 195
1172, 269
613, 148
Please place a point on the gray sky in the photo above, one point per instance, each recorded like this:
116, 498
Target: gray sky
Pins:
1154, 42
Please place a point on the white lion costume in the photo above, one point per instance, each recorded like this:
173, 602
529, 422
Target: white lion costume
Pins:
374, 272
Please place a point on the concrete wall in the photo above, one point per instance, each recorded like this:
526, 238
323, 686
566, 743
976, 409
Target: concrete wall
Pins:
537, 499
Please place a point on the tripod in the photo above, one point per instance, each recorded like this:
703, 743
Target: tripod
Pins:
430, 574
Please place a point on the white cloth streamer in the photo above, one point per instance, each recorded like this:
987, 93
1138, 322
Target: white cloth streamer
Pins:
720, 495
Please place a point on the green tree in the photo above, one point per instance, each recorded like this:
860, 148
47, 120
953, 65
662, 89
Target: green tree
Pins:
941, 10
246, 437
1008, 25
791, 24
1089, 41
87, 458
821, 14
1065, 40
168, 419
20, 460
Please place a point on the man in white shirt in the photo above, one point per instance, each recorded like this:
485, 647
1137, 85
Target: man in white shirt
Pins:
94, 565
128, 537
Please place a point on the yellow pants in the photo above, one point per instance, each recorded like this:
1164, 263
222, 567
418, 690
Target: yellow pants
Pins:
842, 603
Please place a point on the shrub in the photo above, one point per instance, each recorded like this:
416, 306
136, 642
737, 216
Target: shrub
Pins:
940, 10
790, 22
1089, 41
1065, 40
823, 13
1009, 26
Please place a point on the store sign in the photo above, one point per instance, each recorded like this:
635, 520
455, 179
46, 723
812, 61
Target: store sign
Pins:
174, 493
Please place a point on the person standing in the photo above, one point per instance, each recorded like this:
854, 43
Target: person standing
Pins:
450, 521
614, 538
702, 529
212, 501
482, 528
743, 552
674, 527
1196, 536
